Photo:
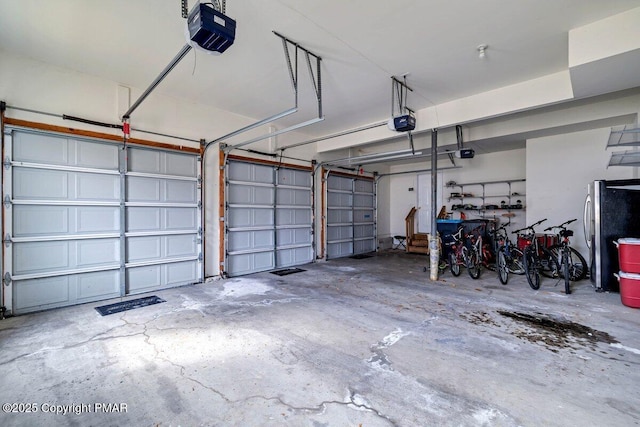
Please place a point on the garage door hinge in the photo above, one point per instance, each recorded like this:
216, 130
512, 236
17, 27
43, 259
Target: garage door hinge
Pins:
6, 279
7, 239
7, 201
200, 257
7, 163
199, 231
199, 204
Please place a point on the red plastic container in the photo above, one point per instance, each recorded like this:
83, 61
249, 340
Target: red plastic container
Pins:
546, 240
629, 254
629, 289
523, 242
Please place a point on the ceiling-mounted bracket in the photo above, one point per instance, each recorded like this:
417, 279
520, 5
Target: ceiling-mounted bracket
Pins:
404, 119
292, 66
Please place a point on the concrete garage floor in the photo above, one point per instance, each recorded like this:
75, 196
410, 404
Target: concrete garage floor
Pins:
368, 342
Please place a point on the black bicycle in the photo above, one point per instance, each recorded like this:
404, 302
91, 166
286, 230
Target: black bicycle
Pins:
537, 259
509, 258
573, 266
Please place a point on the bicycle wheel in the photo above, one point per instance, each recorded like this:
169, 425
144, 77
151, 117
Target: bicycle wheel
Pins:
473, 264
516, 261
577, 264
531, 268
453, 264
503, 271
565, 271
549, 265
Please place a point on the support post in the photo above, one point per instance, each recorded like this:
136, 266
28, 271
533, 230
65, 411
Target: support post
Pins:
434, 252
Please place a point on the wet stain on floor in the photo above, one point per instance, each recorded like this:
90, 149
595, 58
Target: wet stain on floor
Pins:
556, 334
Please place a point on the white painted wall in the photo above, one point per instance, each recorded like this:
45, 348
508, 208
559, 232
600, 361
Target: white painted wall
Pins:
484, 167
559, 169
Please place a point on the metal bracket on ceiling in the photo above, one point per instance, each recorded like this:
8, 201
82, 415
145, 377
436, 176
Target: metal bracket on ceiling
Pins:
400, 90
450, 154
292, 66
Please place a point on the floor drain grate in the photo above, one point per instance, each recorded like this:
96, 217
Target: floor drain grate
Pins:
287, 271
119, 307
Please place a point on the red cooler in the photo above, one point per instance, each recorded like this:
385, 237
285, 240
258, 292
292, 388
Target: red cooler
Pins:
629, 254
629, 289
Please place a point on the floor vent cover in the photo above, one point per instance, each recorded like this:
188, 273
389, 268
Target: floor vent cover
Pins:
118, 307
287, 271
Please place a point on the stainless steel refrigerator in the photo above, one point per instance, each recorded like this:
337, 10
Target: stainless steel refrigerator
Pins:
612, 211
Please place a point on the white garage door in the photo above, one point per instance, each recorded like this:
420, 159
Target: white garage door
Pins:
350, 217
73, 236
269, 221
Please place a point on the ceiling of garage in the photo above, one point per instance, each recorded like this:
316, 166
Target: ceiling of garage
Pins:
362, 43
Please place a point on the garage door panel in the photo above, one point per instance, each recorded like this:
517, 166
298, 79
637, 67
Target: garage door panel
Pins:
339, 216
37, 220
338, 250
29, 220
98, 285
286, 216
141, 279
95, 219
143, 189
296, 178
143, 248
177, 219
181, 245
248, 172
55, 256
363, 246
294, 256
95, 155
37, 257
180, 273
144, 161
96, 187
32, 294
40, 184
95, 253
339, 199
363, 215
143, 219
339, 183
248, 240
250, 263
363, 200
339, 232
245, 194
360, 231
156, 190
294, 197
180, 164
250, 217
294, 236
180, 191
363, 186
38, 148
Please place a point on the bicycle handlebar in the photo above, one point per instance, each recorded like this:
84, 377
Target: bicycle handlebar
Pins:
529, 227
561, 225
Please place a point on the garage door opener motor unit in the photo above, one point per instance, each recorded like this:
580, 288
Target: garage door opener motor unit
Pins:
211, 29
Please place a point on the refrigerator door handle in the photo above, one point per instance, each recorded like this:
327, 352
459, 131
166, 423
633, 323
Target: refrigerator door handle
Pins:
586, 221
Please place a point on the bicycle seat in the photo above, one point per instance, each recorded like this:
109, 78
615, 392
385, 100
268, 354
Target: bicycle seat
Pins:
566, 233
